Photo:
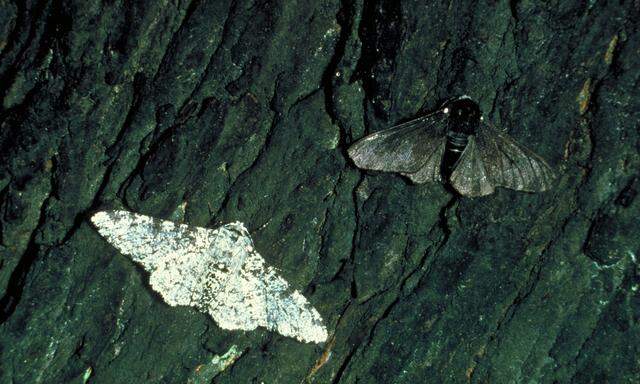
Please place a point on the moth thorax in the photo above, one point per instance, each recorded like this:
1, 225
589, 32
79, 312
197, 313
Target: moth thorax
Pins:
464, 116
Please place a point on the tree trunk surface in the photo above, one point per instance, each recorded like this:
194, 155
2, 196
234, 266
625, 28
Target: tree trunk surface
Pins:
208, 112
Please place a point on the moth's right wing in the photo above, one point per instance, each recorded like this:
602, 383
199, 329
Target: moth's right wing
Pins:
470, 177
509, 164
414, 148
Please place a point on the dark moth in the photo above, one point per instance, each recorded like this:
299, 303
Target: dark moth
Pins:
455, 146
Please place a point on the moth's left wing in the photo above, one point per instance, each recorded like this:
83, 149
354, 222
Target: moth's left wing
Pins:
510, 164
430, 169
172, 253
406, 148
149, 240
469, 176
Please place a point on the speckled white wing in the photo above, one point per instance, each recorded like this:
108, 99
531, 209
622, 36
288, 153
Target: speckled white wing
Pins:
217, 271
156, 245
469, 176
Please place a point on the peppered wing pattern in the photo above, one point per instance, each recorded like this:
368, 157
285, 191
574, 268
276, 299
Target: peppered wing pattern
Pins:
414, 148
509, 164
218, 271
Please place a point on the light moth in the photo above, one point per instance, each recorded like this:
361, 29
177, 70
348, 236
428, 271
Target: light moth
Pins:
218, 271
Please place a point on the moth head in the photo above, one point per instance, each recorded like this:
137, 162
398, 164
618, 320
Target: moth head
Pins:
464, 115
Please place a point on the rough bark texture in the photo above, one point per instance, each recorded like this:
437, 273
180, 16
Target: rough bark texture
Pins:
215, 111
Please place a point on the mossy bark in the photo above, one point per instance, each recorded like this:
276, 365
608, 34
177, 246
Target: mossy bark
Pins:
214, 111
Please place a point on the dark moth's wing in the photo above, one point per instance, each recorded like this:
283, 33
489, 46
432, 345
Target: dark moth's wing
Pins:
470, 176
511, 165
430, 169
414, 148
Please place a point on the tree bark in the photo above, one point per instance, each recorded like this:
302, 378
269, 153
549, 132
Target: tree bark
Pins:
208, 112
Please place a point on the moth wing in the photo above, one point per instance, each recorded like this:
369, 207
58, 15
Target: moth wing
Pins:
430, 170
403, 148
248, 293
510, 164
255, 295
172, 253
284, 304
236, 298
469, 176
146, 239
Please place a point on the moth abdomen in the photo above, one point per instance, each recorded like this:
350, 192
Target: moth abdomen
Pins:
455, 145
457, 142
